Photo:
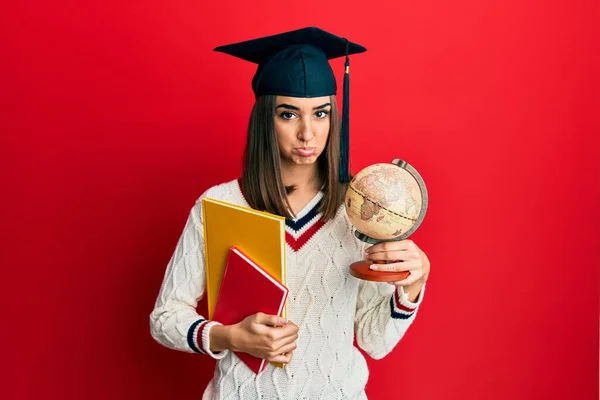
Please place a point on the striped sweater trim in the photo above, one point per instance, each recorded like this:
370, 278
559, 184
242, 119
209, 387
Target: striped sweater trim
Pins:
399, 310
296, 244
298, 232
297, 225
192, 336
399, 304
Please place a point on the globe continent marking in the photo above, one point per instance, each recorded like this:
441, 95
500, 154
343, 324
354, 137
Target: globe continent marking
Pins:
383, 201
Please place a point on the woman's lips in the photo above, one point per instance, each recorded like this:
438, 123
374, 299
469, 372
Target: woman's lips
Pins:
305, 151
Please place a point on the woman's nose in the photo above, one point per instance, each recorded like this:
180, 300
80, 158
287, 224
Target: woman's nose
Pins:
305, 133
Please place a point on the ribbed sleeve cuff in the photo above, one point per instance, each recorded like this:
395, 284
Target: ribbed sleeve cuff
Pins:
401, 307
199, 338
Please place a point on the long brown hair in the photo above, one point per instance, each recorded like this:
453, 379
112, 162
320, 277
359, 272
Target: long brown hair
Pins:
262, 183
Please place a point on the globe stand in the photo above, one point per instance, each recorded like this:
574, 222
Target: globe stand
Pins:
361, 269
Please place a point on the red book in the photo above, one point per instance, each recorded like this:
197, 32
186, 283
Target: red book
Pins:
247, 289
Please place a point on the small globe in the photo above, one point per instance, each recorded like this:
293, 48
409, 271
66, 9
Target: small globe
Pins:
386, 201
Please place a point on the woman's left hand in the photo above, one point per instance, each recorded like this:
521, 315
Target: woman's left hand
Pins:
407, 256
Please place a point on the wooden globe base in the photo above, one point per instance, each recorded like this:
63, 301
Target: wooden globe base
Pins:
360, 270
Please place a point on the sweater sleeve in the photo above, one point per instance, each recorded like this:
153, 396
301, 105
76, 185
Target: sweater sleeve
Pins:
174, 322
383, 315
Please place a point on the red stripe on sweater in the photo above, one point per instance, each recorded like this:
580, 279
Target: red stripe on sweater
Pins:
400, 306
201, 344
297, 244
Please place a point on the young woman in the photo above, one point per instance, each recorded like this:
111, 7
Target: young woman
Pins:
295, 166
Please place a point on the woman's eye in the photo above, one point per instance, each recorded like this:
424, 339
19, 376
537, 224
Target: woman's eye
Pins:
321, 114
287, 115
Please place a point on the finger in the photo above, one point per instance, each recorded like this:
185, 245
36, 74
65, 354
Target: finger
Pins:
290, 329
281, 358
288, 348
412, 278
406, 244
397, 266
270, 320
285, 336
402, 255
287, 333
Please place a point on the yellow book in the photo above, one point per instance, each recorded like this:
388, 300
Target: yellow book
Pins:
259, 235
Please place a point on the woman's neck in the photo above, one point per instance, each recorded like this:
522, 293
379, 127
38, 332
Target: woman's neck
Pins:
306, 182
304, 178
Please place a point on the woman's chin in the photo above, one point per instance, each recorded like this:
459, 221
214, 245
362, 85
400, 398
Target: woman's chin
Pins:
304, 160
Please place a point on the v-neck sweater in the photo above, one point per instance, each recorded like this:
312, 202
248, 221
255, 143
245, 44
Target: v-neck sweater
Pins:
333, 310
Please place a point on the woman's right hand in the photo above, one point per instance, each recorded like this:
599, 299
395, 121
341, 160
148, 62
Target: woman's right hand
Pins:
264, 336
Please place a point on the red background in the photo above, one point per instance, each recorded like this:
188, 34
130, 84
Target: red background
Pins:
116, 116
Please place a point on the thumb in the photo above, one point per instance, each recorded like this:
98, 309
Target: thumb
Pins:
271, 320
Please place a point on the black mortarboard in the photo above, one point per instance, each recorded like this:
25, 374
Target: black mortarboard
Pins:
295, 64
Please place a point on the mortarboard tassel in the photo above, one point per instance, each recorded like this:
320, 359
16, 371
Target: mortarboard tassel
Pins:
345, 130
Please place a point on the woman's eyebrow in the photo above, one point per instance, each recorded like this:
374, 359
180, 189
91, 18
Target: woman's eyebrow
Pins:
291, 107
288, 106
322, 106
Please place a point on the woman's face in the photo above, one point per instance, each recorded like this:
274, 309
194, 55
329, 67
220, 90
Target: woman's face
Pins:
302, 128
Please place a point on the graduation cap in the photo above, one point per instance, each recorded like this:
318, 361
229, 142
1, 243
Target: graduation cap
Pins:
295, 64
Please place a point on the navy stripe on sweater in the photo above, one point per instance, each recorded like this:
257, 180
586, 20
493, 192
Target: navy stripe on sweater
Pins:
397, 315
190, 336
297, 225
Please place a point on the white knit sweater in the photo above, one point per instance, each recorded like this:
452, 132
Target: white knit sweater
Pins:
328, 304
